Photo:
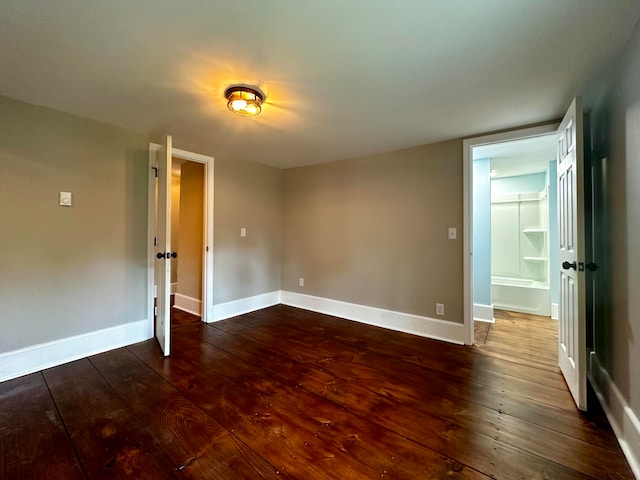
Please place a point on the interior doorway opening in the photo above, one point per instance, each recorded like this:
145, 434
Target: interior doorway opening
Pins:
571, 265
161, 252
514, 234
187, 234
510, 210
515, 225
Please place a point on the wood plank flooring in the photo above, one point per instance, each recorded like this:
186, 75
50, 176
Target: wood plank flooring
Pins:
287, 393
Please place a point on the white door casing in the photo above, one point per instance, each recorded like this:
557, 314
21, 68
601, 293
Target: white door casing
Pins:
207, 228
572, 315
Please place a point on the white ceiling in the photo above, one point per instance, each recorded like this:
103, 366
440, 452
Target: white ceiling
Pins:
342, 78
519, 157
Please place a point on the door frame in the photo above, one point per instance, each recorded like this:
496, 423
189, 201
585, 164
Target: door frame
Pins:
207, 228
467, 180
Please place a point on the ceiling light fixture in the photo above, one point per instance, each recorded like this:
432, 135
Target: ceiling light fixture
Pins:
244, 100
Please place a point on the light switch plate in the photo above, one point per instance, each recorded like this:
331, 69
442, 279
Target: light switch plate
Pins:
243, 232
453, 233
65, 199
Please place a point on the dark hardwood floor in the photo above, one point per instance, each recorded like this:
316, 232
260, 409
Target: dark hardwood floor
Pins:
286, 393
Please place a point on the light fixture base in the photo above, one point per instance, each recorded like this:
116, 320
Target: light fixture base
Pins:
244, 100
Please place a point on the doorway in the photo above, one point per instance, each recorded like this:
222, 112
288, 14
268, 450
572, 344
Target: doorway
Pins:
200, 253
519, 221
571, 328
510, 195
187, 235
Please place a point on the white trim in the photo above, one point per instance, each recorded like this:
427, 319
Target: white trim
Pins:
622, 418
483, 313
207, 223
188, 304
151, 249
467, 240
234, 308
50, 354
467, 205
191, 156
173, 288
554, 311
521, 309
402, 322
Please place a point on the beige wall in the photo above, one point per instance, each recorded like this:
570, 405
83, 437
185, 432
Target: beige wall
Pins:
69, 270
190, 229
66, 271
175, 221
248, 195
615, 127
373, 231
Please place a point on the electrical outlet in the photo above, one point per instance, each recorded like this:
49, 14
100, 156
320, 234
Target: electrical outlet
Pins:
301, 282
440, 309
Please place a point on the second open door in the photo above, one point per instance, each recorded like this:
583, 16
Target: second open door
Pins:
572, 314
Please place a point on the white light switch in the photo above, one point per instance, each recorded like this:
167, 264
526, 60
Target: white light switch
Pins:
453, 233
243, 232
65, 199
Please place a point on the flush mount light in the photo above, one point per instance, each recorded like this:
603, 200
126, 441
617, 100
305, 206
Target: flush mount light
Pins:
244, 100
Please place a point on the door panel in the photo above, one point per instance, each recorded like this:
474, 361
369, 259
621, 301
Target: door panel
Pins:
163, 247
572, 324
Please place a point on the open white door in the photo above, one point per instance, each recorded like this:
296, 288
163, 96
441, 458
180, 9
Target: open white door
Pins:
572, 320
163, 247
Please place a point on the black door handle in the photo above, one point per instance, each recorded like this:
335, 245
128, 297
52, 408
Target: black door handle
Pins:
592, 267
173, 255
566, 265
160, 255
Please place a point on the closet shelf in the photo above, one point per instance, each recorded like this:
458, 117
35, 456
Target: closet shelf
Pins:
534, 230
534, 259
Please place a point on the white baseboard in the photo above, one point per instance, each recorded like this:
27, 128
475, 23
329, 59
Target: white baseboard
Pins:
50, 354
517, 308
622, 418
188, 304
483, 313
403, 322
234, 308
554, 311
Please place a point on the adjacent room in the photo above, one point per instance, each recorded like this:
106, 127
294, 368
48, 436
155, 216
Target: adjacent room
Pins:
320, 240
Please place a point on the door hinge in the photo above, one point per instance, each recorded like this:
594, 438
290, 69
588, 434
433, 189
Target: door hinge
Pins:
206, 249
155, 171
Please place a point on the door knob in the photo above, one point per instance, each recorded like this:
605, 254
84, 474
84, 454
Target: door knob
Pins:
566, 265
173, 255
592, 267
160, 255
